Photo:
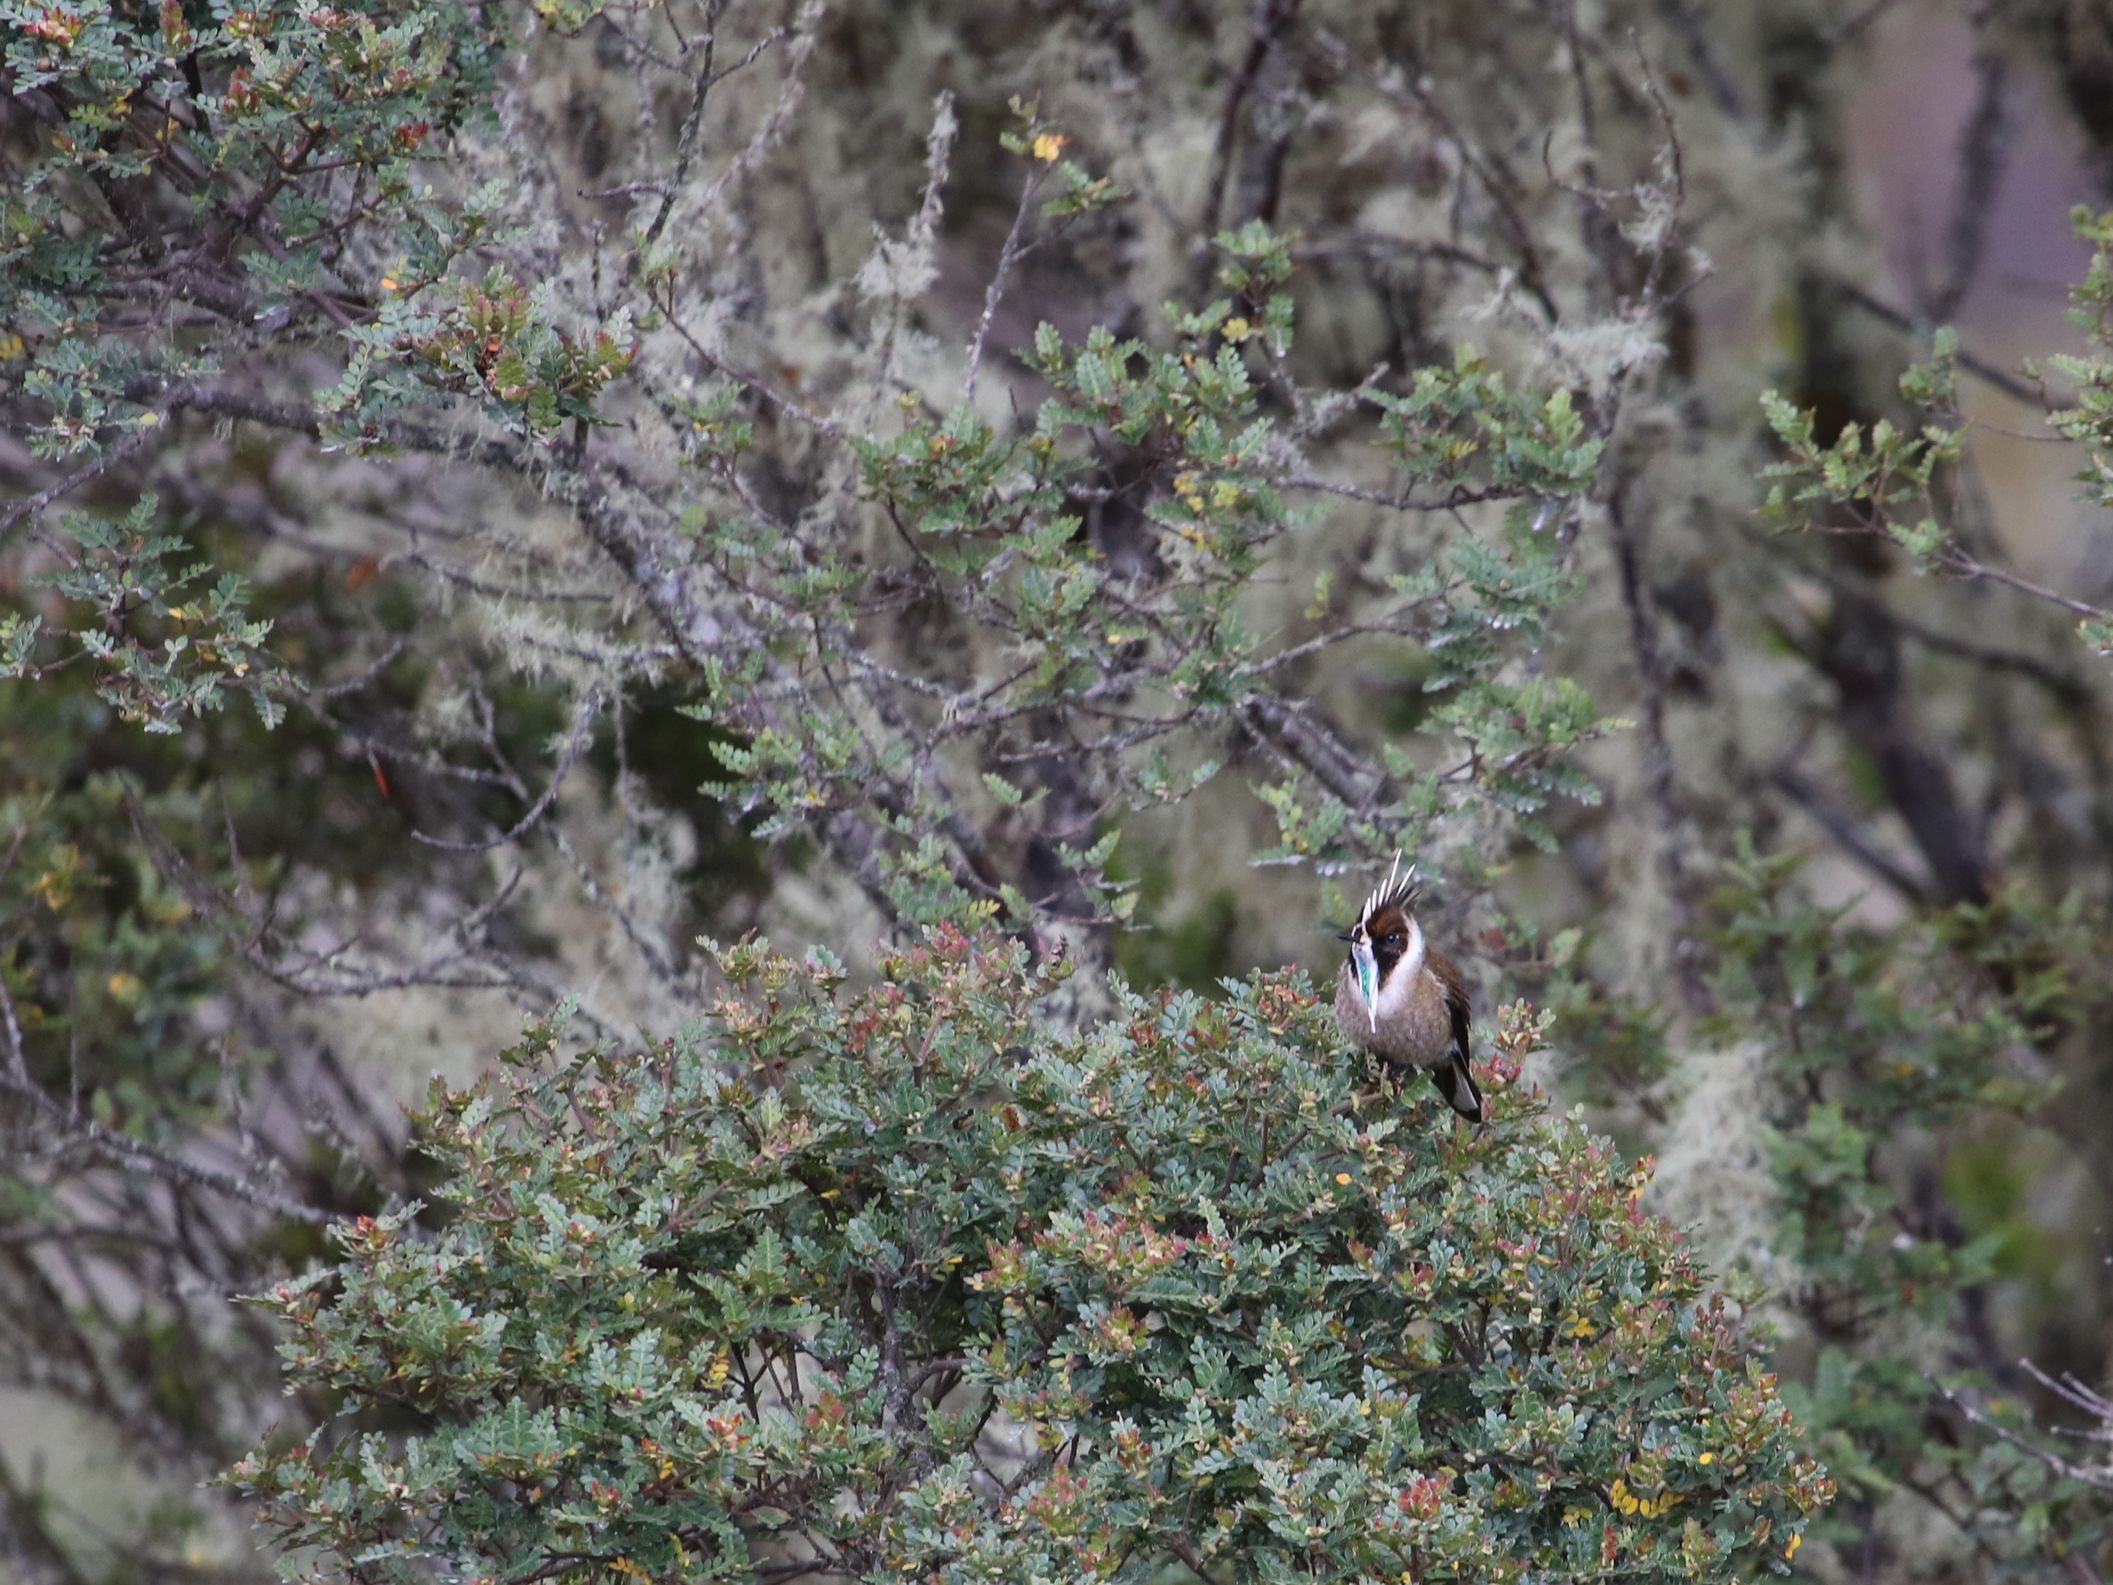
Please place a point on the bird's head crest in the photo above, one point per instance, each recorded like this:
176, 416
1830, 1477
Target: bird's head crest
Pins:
1400, 891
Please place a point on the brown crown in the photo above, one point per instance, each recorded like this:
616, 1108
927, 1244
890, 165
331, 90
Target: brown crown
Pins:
1389, 918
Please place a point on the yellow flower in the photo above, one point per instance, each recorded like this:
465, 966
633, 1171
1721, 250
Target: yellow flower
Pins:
1622, 1498
125, 987
388, 283
1342, 1177
1790, 1549
1581, 1326
1238, 329
1707, 1458
1049, 145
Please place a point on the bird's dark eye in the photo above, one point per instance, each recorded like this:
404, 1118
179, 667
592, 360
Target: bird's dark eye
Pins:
1394, 938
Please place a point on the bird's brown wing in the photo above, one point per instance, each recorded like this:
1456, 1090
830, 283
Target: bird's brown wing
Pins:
1457, 1006
1454, 1077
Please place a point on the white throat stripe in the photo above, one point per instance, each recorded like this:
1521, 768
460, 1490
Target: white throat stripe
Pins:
1394, 995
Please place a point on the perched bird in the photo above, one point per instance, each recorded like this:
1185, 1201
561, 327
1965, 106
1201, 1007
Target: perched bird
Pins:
1401, 998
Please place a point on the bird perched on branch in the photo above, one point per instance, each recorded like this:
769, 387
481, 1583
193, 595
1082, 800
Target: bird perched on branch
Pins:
1401, 999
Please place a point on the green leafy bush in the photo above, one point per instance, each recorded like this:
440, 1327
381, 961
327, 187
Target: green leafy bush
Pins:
163, 643
1895, 482
897, 1283
298, 126
1884, 1284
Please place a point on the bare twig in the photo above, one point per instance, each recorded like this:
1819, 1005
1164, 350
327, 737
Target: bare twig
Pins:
1988, 373
1857, 24
1184, 1549
1371, 245
1967, 565
17, 1061
1320, 749
582, 734
113, 454
77, 1133
1702, 51
2098, 1475
1660, 775
1847, 833
1008, 256
1495, 180
1265, 26
693, 120
805, 34
1982, 147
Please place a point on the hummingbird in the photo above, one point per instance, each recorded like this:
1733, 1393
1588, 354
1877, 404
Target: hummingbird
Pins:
1401, 999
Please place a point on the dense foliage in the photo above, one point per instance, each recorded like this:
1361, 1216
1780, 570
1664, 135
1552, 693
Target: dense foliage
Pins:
1869, 1264
495, 495
905, 1282
1105, 616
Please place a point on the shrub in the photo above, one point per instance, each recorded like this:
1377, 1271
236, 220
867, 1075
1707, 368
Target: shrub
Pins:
898, 1283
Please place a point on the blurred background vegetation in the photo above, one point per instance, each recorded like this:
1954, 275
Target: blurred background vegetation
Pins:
494, 494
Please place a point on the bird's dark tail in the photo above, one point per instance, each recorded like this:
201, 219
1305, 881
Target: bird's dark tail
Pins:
1457, 1084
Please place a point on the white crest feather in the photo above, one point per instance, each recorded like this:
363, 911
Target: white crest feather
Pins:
1381, 893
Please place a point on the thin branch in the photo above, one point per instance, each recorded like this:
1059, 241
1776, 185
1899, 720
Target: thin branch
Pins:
1660, 774
1862, 20
1313, 744
2086, 1474
1850, 836
17, 1060
1184, 1549
1008, 256
1406, 501
1989, 373
1491, 175
1694, 34
1982, 148
117, 451
1959, 560
2072, 690
692, 123
87, 1135
1386, 249
582, 734
1265, 26
806, 33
